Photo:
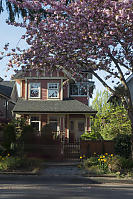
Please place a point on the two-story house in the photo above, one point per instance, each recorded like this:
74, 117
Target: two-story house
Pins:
8, 98
48, 97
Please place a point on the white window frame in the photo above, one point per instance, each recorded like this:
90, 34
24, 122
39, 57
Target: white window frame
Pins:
39, 90
35, 121
52, 87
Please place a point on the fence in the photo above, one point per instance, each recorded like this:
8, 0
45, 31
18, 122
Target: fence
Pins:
90, 147
70, 151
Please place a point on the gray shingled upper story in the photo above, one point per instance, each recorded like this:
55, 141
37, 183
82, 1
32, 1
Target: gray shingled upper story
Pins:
6, 88
51, 106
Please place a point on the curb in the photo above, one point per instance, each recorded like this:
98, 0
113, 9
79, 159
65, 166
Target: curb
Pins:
20, 173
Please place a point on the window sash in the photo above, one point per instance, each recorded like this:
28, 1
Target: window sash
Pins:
53, 90
53, 86
34, 90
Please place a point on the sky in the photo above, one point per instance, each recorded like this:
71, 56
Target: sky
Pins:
12, 35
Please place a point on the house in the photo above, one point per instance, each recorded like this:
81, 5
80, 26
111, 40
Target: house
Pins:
8, 98
129, 81
48, 97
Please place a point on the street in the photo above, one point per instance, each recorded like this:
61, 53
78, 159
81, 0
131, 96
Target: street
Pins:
60, 186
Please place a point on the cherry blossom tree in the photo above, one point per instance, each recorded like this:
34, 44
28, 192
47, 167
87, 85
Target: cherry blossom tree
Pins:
90, 35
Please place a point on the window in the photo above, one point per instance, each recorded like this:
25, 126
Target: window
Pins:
34, 90
79, 89
35, 123
53, 90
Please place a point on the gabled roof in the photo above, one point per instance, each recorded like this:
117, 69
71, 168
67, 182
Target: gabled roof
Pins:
6, 88
52, 106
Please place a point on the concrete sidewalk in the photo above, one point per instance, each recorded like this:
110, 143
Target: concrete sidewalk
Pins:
70, 168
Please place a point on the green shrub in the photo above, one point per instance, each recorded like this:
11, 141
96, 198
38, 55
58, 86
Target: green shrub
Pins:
91, 136
123, 145
28, 135
14, 163
9, 137
91, 161
119, 163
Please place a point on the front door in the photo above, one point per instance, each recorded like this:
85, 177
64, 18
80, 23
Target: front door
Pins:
77, 128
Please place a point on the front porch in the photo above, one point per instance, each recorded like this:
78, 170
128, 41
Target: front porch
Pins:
65, 127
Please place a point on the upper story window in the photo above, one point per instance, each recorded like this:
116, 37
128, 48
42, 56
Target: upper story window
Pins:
78, 89
53, 90
34, 90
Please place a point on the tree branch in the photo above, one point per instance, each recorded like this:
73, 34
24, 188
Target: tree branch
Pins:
102, 81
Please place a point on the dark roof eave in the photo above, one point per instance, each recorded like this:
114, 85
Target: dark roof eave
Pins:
94, 112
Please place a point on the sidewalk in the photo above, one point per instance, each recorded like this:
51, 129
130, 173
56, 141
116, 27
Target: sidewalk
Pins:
70, 168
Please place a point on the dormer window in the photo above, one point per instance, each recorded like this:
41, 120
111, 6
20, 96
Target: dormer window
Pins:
53, 90
35, 90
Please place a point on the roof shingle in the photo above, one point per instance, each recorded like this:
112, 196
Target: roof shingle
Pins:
6, 88
51, 106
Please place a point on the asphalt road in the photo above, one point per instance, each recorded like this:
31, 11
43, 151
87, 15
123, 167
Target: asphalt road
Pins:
60, 186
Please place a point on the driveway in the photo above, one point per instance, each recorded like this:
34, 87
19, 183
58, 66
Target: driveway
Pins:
60, 182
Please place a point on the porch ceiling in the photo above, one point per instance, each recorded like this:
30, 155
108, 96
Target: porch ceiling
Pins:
52, 106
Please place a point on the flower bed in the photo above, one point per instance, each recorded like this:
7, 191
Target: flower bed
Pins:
108, 164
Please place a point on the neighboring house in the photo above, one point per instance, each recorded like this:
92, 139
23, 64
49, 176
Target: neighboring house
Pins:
8, 98
47, 98
115, 99
130, 85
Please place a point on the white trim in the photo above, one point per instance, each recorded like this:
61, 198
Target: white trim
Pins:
36, 120
61, 93
21, 89
86, 120
26, 97
68, 126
